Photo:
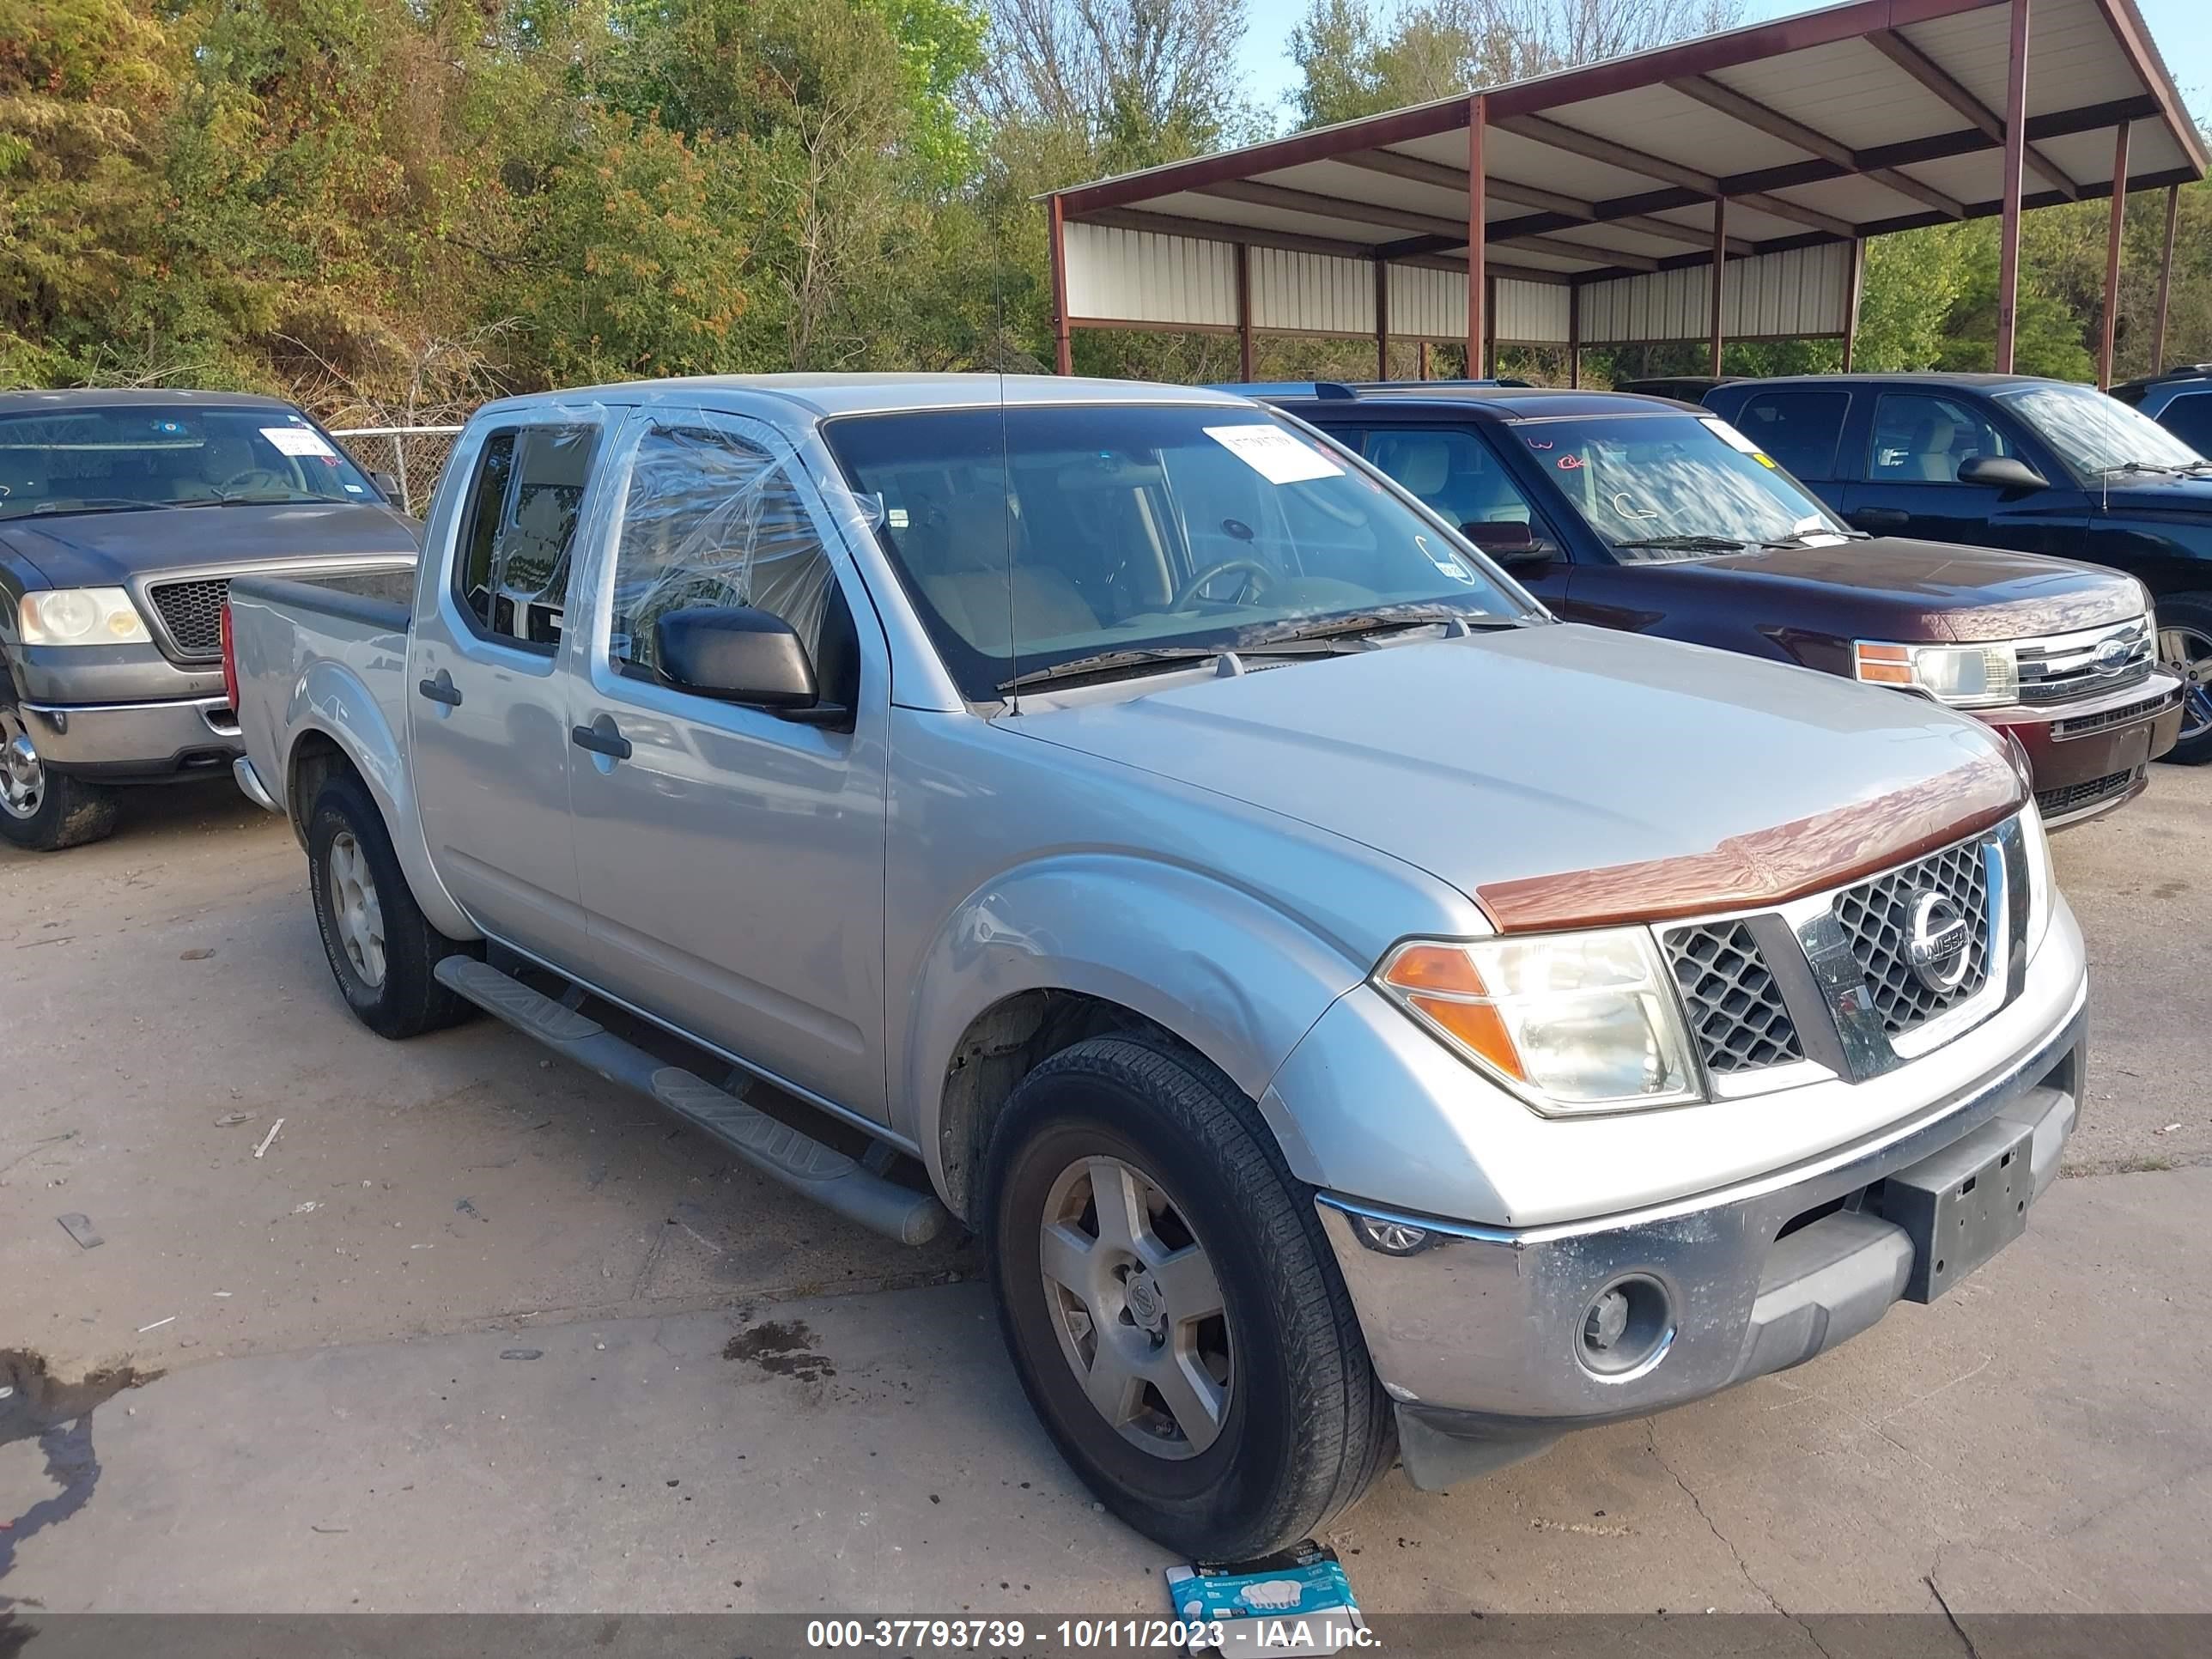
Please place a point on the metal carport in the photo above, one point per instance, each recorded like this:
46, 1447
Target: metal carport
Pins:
1720, 188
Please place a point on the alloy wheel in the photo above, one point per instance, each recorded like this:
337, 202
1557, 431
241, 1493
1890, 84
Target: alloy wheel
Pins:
1138, 1311
2188, 652
355, 911
23, 774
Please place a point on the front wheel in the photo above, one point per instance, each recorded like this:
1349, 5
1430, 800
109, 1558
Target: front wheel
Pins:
1172, 1305
381, 948
41, 809
2184, 643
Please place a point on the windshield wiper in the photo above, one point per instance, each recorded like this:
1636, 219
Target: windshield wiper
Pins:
1138, 659
2165, 469
1376, 621
1690, 544
1801, 538
219, 500
95, 504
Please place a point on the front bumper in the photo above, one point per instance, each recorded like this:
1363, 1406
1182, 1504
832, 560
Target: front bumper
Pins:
2092, 756
1476, 1331
122, 741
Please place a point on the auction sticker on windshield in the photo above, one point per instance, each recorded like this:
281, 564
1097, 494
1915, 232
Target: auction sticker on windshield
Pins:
1274, 454
1734, 439
297, 440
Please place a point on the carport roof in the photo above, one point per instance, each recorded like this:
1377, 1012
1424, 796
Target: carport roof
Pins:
1845, 122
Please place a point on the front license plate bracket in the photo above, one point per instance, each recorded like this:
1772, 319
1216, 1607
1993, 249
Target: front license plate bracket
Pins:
1961, 1206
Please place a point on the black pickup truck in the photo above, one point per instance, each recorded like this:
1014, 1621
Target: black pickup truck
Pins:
122, 517
2008, 461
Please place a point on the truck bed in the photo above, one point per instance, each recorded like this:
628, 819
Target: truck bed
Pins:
382, 600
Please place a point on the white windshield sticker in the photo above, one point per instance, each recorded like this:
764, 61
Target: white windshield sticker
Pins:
298, 441
1276, 455
1728, 434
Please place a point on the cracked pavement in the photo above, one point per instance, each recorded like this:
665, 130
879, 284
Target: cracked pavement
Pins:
337, 1427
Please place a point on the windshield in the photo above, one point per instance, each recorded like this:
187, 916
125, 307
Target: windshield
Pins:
1690, 480
1129, 528
2093, 434
144, 457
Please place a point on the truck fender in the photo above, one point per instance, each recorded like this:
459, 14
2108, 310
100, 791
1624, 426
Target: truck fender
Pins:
1218, 966
329, 699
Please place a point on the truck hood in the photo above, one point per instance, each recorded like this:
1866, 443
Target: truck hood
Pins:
111, 550
2189, 498
1891, 588
1558, 749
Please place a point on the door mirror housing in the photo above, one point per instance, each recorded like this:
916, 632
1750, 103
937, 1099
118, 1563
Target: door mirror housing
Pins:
2000, 472
736, 654
1509, 541
387, 485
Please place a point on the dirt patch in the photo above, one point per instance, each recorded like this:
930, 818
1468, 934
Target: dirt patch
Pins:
782, 1347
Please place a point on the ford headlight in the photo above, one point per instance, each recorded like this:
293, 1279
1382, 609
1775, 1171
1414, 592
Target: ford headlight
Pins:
1569, 1021
1963, 676
82, 615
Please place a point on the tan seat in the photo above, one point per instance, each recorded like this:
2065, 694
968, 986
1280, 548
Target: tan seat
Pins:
1932, 456
964, 567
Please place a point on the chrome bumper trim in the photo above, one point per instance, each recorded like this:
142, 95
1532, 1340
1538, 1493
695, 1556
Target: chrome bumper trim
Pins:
131, 734
250, 785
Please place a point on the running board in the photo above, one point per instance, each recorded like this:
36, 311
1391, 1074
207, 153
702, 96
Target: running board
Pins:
801, 1163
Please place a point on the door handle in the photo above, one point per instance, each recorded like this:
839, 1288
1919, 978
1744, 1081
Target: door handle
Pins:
442, 689
601, 738
1882, 518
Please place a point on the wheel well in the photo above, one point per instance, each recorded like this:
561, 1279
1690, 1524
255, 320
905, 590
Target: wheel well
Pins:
315, 759
1001, 1046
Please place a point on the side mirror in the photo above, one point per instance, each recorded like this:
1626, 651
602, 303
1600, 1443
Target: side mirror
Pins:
736, 654
1509, 541
387, 485
2000, 472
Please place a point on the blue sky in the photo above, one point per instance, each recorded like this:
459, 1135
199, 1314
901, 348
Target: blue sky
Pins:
2183, 29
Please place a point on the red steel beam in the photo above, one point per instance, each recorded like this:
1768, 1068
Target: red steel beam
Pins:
1703, 89
1244, 372
2112, 257
1478, 117
1063, 360
1853, 283
1720, 274
2165, 281
2014, 150
1938, 80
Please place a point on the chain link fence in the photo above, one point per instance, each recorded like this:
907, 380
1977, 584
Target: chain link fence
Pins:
414, 455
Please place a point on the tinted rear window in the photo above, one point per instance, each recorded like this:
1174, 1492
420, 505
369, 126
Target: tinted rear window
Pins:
1798, 428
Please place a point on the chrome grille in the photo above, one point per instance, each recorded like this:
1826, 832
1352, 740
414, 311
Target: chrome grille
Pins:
1875, 918
1736, 1009
191, 615
2063, 667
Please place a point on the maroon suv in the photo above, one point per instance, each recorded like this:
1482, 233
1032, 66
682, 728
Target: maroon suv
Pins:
1639, 513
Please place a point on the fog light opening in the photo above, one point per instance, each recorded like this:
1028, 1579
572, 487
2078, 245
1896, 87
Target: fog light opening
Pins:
1626, 1329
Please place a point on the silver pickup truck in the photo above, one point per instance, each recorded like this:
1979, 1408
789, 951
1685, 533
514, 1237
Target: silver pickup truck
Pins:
1359, 1014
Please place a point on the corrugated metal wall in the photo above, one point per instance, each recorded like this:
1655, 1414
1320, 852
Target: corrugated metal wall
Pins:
1311, 293
1140, 277
1799, 292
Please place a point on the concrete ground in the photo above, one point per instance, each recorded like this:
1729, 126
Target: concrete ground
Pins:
479, 1332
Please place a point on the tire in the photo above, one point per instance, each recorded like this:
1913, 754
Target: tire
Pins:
43, 810
2184, 642
382, 950
1301, 1427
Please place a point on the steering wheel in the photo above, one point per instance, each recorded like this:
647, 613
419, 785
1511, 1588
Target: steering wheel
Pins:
1258, 579
257, 474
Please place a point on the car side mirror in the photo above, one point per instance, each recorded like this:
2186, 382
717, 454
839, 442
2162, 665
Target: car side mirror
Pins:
2000, 472
387, 485
736, 654
1509, 541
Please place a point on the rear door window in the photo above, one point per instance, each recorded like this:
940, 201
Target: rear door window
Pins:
510, 572
1919, 438
2188, 417
1798, 428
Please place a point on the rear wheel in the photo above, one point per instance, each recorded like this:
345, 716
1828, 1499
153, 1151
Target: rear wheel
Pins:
1172, 1306
40, 809
2184, 642
382, 948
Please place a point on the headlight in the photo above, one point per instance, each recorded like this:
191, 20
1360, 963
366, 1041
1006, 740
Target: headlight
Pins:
1963, 676
82, 615
1569, 1021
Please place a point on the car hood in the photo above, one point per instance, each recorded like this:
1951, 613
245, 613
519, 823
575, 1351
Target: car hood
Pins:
1894, 588
2144, 492
1555, 750
104, 549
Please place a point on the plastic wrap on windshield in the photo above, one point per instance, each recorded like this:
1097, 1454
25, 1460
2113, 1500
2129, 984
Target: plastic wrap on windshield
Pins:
712, 518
